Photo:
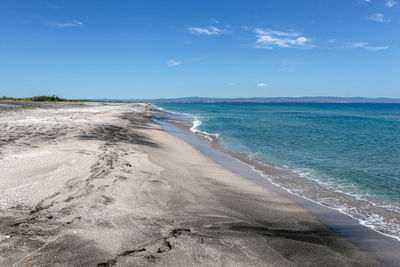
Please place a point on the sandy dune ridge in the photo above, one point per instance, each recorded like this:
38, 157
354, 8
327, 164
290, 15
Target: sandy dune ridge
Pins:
99, 184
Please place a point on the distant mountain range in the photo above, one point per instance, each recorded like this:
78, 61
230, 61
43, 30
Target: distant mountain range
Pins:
311, 99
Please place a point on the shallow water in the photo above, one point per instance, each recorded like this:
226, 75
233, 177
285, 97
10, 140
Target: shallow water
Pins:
345, 156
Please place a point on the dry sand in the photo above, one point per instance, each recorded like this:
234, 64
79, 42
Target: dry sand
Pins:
99, 184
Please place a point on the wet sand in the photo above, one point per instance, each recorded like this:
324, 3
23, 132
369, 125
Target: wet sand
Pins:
99, 184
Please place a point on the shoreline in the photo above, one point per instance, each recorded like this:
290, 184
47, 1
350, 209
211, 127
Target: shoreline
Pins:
381, 245
294, 181
100, 184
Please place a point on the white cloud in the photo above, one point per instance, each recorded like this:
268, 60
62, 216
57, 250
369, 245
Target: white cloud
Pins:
366, 46
231, 84
74, 23
277, 33
173, 63
262, 85
379, 17
390, 3
270, 39
212, 30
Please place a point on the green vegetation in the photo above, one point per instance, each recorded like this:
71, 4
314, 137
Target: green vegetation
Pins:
47, 98
55, 98
39, 99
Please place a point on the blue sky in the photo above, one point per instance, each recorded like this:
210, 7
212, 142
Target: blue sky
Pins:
152, 49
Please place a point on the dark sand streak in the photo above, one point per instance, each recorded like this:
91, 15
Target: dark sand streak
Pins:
135, 196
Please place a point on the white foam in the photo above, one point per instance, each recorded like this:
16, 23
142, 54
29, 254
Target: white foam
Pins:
196, 124
363, 216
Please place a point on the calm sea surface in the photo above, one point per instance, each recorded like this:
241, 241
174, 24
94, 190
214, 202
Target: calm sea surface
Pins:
345, 156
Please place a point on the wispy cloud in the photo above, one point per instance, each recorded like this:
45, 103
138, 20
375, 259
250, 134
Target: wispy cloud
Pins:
214, 20
52, 5
379, 17
231, 84
390, 3
270, 39
74, 23
262, 85
366, 46
198, 58
173, 63
212, 30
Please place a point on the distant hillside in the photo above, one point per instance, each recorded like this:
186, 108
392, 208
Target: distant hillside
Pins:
312, 99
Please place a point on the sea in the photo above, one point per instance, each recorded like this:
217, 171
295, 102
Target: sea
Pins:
344, 156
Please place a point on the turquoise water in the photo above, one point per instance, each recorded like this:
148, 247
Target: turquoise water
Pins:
346, 156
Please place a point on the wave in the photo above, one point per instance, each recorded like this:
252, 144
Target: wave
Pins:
192, 122
377, 215
196, 124
303, 183
212, 137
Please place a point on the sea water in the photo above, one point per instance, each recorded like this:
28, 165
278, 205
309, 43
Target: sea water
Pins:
344, 156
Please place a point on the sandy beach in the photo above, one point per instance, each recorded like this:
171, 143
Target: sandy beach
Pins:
100, 184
